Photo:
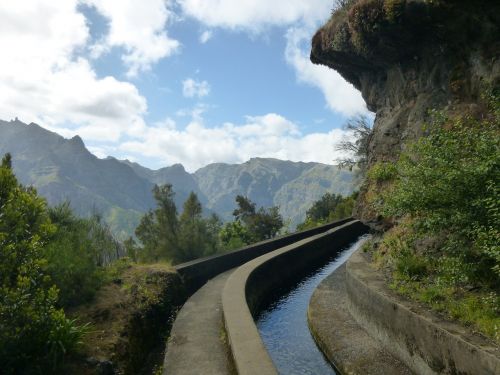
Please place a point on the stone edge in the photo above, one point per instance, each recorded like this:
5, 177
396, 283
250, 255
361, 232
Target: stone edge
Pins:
426, 343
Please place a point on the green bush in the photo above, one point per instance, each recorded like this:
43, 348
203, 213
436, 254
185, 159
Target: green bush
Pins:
328, 208
77, 253
445, 250
33, 331
448, 183
411, 266
382, 172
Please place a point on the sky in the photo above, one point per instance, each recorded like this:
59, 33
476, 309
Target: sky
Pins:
175, 81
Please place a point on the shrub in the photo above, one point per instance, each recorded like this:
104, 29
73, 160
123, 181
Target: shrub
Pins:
448, 182
77, 253
380, 172
329, 207
30, 323
365, 19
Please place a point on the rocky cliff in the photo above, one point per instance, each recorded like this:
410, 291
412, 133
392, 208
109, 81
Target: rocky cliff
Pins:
408, 57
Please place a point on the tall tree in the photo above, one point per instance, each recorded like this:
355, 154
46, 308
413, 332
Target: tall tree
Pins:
192, 209
355, 146
251, 225
33, 331
158, 229
179, 238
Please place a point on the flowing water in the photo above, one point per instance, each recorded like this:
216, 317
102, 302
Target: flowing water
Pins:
283, 323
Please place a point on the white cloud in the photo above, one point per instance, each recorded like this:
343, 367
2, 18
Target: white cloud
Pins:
340, 95
192, 88
139, 28
255, 15
43, 80
197, 145
206, 36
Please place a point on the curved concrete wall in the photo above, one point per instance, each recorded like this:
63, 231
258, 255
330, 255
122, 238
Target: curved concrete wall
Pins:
425, 343
248, 286
197, 272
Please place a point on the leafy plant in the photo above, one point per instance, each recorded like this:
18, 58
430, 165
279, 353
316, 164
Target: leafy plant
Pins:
443, 193
328, 208
30, 322
448, 182
165, 235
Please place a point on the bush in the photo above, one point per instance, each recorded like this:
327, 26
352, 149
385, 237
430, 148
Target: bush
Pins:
32, 338
77, 253
380, 172
445, 251
448, 183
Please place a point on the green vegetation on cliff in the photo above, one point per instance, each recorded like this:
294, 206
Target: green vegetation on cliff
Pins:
444, 192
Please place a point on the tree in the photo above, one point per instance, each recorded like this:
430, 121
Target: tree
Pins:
254, 225
329, 207
356, 145
234, 235
321, 209
76, 253
178, 238
158, 229
192, 208
195, 237
34, 333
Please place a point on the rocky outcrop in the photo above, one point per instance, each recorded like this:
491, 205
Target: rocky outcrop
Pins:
408, 57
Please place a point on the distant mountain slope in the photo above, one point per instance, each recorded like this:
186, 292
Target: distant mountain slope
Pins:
182, 181
63, 169
293, 186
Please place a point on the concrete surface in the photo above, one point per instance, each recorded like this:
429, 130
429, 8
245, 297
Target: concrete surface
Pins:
197, 272
422, 340
251, 282
197, 343
344, 342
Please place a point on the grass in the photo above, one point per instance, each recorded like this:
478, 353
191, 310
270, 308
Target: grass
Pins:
478, 310
433, 280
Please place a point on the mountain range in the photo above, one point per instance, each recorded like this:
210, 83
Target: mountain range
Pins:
120, 190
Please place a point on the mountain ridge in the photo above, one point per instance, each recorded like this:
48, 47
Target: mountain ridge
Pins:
63, 169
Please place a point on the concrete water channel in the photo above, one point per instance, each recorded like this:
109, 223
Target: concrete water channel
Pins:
283, 325
215, 331
250, 312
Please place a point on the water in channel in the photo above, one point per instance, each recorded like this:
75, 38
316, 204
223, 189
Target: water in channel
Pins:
283, 324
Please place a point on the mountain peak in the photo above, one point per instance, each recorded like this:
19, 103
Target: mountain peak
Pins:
177, 167
77, 140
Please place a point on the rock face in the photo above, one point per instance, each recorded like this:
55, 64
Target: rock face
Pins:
408, 57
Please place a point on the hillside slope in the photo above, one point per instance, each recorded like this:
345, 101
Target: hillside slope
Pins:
63, 169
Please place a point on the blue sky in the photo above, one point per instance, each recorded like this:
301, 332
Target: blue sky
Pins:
184, 81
